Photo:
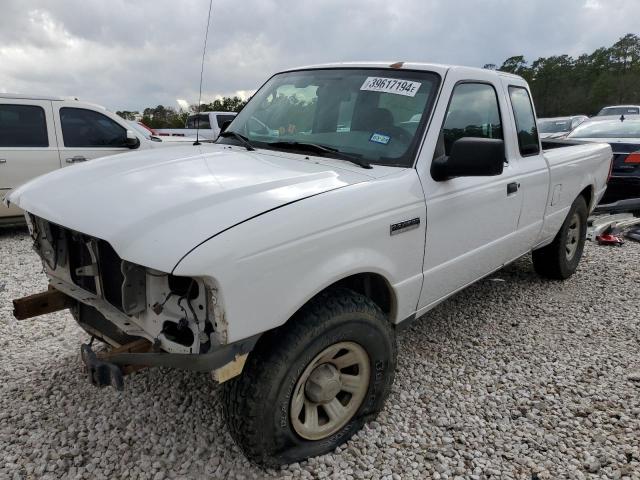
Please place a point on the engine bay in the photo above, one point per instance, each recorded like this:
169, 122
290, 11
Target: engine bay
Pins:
119, 301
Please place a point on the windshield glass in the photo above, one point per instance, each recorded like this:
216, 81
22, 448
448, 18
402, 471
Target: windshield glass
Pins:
608, 129
372, 114
554, 126
140, 129
619, 111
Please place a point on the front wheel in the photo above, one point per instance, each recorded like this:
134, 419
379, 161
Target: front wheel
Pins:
309, 386
559, 260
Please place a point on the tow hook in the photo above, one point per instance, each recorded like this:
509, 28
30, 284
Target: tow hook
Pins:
101, 373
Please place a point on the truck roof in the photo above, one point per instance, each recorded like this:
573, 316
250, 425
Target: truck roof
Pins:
434, 67
217, 112
24, 96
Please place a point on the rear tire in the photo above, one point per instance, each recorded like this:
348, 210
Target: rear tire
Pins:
559, 260
310, 385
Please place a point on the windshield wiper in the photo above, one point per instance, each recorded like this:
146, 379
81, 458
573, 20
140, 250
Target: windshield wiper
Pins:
321, 149
241, 138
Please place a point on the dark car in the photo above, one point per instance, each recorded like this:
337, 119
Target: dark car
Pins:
623, 134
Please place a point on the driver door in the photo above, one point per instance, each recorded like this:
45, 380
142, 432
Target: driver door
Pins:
471, 221
85, 134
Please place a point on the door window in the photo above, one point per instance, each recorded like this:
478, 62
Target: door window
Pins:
23, 126
87, 128
200, 121
473, 112
525, 121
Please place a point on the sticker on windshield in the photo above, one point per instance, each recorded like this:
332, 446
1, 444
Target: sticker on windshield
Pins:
391, 85
380, 138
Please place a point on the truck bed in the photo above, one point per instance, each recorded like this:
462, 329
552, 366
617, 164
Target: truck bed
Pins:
565, 158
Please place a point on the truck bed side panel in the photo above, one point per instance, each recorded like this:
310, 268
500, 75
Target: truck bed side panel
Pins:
573, 169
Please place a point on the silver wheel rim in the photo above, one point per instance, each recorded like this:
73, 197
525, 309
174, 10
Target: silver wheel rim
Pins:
573, 237
330, 390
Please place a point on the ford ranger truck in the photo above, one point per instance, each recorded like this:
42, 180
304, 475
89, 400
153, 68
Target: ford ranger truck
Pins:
343, 202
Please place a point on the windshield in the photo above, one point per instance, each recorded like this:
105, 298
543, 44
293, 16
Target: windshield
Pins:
140, 129
372, 114
619, 111
608, 129
554, 126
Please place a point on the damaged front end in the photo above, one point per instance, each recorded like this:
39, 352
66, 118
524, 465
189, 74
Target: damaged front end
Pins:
148, 317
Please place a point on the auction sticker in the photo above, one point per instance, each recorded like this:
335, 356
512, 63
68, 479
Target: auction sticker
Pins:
391, 85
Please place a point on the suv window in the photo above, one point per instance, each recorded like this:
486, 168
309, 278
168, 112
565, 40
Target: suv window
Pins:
224, 118
202, 120
23, 126
473, 112
525, 121
87, 128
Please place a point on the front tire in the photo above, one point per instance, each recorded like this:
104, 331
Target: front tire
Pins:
559, 260
310, 385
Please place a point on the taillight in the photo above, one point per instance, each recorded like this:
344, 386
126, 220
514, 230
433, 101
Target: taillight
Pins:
633, 158
610, 169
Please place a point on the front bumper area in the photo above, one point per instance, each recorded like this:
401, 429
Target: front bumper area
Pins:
149, 318
108, 367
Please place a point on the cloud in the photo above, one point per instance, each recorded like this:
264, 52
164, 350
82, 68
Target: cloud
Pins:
129, 55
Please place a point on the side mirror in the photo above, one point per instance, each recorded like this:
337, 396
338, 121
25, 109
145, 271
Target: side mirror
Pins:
132, 141
470, 157
225, 125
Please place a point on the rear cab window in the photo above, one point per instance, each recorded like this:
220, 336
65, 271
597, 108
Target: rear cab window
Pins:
221, 119
199, 121
526, 126
23, 126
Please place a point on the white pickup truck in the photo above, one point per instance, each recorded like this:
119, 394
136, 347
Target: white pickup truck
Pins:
39, 134
206, 125
284, 257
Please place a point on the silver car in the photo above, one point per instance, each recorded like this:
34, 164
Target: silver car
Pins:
558, 127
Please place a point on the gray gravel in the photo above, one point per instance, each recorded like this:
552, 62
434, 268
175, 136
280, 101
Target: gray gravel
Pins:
513, 378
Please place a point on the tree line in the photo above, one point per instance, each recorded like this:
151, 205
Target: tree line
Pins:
563, 85
168, 117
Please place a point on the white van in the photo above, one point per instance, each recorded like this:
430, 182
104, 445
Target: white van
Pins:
39, 134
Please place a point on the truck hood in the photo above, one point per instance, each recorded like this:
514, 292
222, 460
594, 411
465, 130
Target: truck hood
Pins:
154, 206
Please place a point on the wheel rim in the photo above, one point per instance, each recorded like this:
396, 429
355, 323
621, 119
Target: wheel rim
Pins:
573, 236
330, 390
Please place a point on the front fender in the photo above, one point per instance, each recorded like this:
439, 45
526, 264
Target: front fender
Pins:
270, 266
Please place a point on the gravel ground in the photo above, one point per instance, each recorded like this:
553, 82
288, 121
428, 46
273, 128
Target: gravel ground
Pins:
513, 378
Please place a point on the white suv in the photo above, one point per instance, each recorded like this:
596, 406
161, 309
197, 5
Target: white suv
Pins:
39, 134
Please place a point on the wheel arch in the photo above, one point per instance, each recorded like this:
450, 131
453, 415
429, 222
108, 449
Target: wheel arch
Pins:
372, 285
588, 194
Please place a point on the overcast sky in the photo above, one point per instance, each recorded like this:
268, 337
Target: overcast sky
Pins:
127, 55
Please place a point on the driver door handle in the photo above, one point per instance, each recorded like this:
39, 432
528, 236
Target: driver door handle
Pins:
512, 188
77, 158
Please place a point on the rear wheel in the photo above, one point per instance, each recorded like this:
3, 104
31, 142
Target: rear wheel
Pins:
559, 260
309, 386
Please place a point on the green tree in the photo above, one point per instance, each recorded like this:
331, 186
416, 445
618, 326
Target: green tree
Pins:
563, 85
224, 104
128, 115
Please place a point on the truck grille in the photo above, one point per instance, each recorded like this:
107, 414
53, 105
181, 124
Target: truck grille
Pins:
93, 265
